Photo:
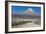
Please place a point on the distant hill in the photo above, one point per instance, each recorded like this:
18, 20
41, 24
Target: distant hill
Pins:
24, 16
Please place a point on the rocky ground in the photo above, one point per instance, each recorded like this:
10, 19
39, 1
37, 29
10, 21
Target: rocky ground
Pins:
27, 25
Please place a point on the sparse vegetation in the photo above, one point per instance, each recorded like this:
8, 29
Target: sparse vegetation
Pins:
20, 23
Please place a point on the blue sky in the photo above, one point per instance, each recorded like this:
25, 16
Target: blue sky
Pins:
20, 9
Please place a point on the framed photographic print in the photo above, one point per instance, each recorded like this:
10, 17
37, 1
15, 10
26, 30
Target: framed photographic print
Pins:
24, 16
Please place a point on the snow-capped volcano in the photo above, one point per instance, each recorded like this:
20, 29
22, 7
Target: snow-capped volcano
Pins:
29, 11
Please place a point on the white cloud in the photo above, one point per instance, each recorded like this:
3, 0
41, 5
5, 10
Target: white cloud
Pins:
29, 11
